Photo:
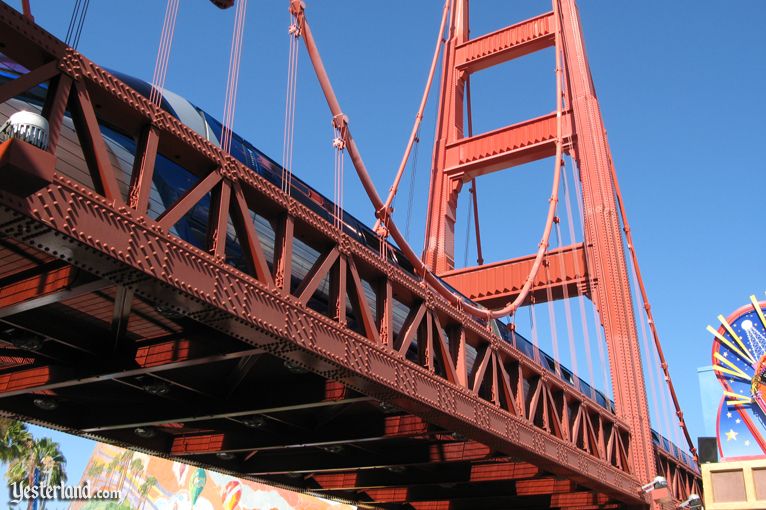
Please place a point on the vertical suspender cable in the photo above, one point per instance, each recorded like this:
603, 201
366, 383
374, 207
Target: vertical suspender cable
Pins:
294, 33
578, 269
648, 308
163, 52
76, 42
411, 196
475, 196
73, 22
232, 80
533, 322
596, 319
601, 355
468, 217
552, 315
76, 21
557, 222
567, 309
474, 190
27, 10
339, 144
653, 385
559, 169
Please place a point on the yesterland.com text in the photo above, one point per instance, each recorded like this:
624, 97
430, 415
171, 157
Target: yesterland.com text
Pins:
24, 492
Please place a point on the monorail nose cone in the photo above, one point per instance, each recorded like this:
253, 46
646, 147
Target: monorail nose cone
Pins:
28, 126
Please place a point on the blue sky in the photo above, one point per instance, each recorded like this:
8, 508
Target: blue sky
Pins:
679, 85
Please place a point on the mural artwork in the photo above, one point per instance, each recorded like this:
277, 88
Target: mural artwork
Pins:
153, 483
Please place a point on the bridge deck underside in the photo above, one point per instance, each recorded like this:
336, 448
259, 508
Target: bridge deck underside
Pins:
160, 382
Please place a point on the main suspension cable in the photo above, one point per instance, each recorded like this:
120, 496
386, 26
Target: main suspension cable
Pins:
297, 8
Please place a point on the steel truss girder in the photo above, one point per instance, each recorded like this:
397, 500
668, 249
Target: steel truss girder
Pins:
123, 246
239, 305
681, 479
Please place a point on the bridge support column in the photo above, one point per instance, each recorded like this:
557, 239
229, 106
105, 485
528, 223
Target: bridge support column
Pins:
458, 159
439, 251
604, 249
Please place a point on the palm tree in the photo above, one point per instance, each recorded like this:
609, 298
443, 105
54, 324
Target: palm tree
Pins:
144, 489
110, 468
125, 459
136, 468
52, 461
96, 470
44, 456
14, 439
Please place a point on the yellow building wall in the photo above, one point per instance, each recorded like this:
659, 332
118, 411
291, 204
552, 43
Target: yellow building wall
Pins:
738, 485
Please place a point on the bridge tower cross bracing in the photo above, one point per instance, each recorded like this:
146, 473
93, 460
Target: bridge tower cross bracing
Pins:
457, 159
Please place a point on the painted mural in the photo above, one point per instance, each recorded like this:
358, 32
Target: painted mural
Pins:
739, 360
153, 483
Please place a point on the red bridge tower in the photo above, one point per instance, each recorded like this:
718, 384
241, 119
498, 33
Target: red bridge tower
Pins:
459, 159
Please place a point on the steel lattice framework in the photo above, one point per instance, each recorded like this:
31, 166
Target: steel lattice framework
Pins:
144, 331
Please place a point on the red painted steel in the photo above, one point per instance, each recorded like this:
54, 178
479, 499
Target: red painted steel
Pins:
467, 158
506, 44
31, 169
139, 277
458, 159
223, 4
321, 344
496, 283
605, 254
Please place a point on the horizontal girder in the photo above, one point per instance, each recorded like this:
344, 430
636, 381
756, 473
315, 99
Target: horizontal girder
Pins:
563, 273
505, 44
505, 147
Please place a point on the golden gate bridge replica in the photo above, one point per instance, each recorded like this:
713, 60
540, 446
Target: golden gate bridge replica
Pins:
215, 309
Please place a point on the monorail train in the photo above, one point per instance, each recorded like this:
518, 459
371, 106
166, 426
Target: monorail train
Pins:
170, 181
